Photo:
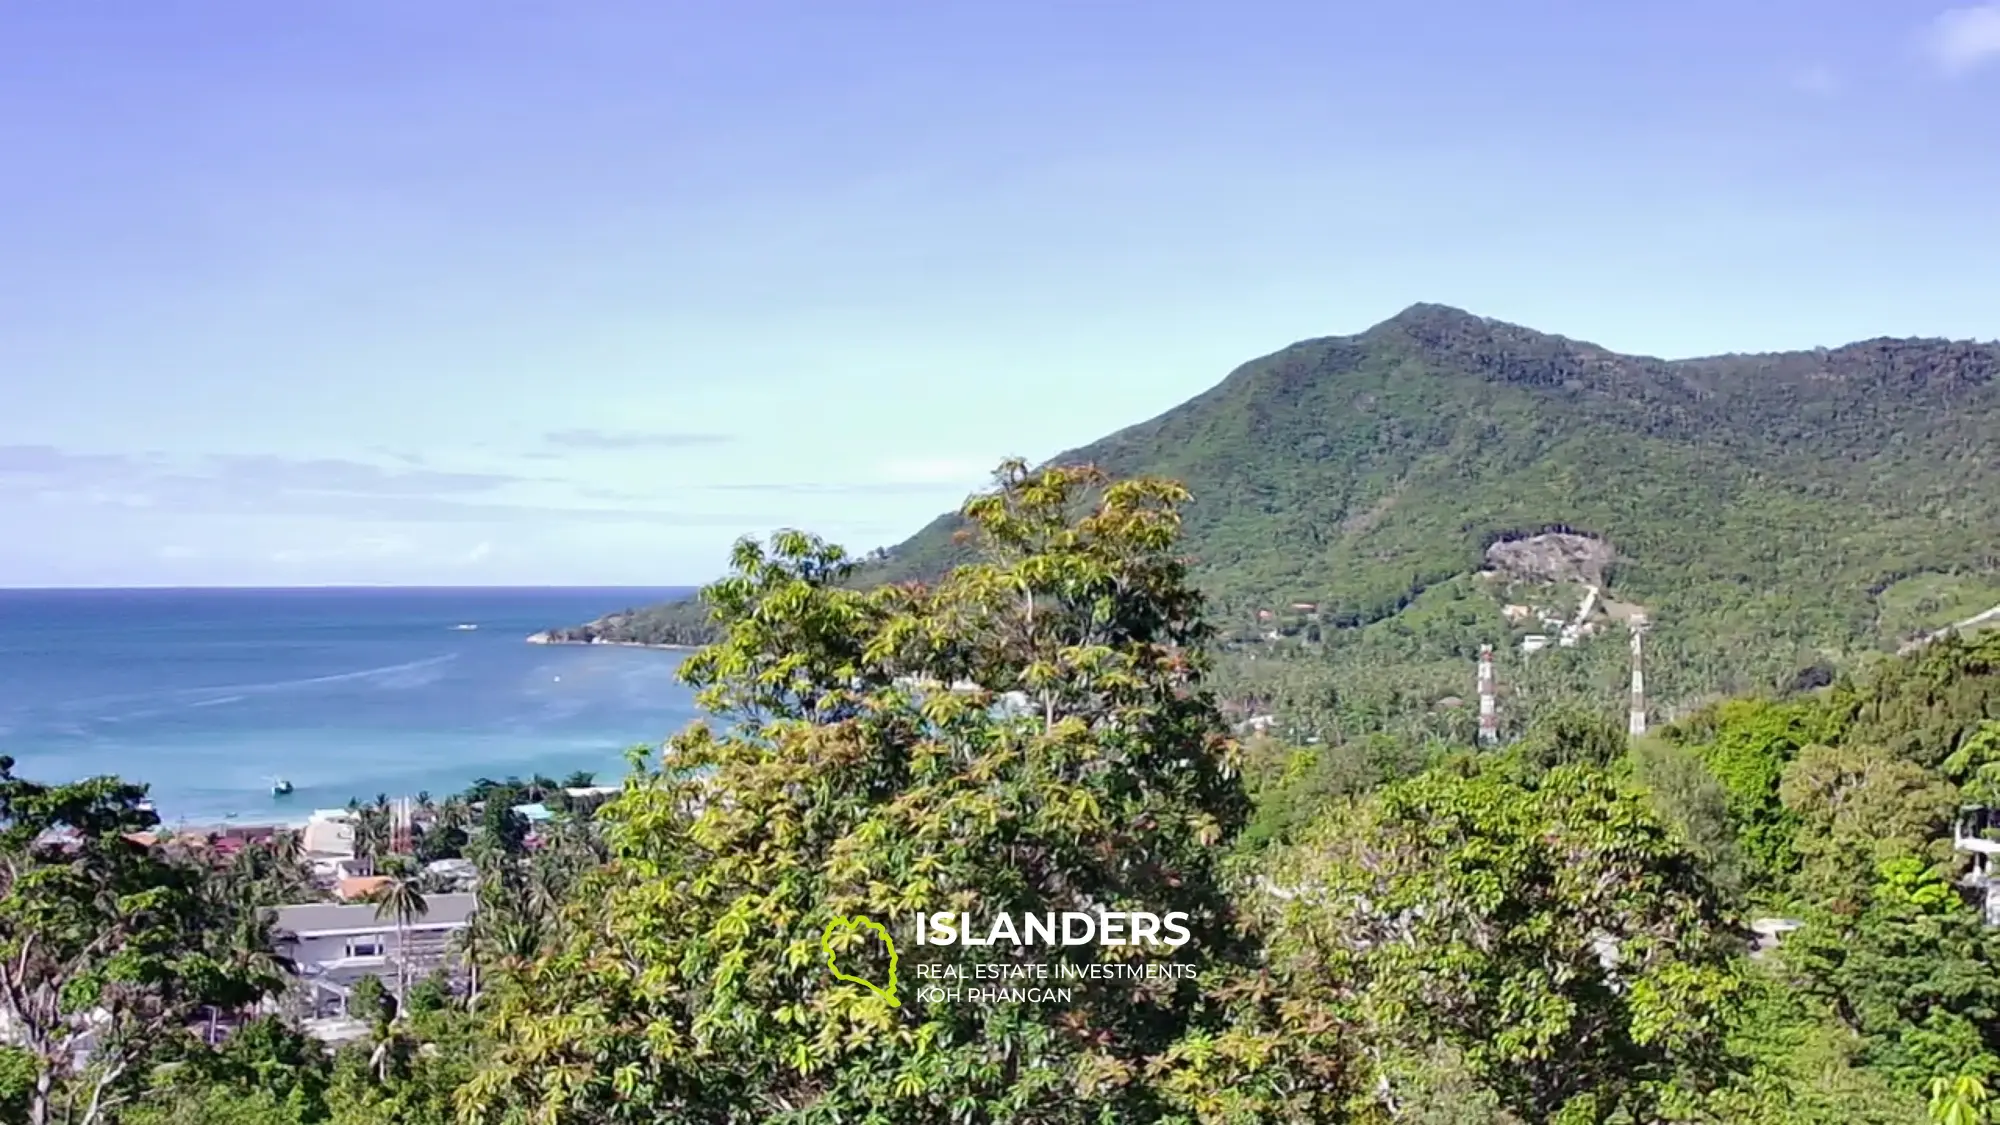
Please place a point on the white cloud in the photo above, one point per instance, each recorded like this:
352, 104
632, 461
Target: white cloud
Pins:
479, 552
1963, 39
291, 486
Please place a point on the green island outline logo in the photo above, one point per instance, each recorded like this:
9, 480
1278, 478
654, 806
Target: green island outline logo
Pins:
844, 922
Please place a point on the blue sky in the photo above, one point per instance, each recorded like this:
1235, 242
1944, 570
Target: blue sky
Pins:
487, 292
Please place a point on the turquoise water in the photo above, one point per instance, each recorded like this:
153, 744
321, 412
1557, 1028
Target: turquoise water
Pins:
208, 695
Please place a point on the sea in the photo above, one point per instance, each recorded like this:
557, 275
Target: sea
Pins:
209, 696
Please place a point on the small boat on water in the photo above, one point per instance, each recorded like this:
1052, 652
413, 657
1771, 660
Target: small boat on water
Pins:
466, 628
280, 787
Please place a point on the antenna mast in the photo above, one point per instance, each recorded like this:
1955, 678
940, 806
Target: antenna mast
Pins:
1637, 725
1489, 704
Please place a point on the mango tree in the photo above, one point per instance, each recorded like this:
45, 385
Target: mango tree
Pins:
1029, 735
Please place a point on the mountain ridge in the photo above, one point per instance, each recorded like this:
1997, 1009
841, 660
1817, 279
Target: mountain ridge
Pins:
1768, 498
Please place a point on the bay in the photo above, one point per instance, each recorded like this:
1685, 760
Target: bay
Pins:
209, 695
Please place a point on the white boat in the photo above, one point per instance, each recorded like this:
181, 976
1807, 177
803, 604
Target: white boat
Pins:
465, 628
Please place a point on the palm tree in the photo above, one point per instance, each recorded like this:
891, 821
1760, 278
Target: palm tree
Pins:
546, 883
573, 848
371, 833
516, 942
393, 1050
401, 899
465, 945
498, 937
453, 812
288, 846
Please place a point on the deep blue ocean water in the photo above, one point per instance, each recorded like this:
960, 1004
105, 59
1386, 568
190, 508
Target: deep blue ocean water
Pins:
208, 695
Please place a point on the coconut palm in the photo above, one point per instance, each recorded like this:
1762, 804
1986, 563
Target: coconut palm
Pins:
452, 812
517, 941
401, 899
393, 1050
371, 838
547, 879
463, 947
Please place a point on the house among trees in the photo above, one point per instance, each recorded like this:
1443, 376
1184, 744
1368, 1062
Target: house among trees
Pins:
333, 946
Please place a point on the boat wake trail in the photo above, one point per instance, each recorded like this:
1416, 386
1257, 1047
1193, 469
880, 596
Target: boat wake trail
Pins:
404, 675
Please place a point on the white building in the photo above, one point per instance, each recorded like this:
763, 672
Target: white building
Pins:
454, 874
333, 945
328, 843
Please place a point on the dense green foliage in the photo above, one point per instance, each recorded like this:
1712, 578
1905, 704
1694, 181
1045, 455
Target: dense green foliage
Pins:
1390, 924
1542, 922
106, 946
1857, 844
854, 789
681, 624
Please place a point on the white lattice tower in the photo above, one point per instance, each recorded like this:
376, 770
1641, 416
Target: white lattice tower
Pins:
1637, 724
1489, 701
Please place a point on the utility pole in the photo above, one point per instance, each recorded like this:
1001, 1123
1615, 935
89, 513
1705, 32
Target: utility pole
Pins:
400, 840
1489, 703
1637, 725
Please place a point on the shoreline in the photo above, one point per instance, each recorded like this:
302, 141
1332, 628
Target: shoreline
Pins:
547, 639
212, 826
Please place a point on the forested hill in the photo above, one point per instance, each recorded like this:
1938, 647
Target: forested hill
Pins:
1801, 502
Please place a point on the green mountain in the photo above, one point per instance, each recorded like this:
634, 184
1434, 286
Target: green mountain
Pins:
1765, 512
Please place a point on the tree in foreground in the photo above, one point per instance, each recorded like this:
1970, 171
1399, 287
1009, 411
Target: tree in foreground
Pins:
1547, 939
1959, 1101
1030, 735
402, 901
109, 951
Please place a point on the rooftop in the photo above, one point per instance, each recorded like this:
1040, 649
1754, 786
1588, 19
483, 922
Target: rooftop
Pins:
310, 919
359, 886
328, 837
